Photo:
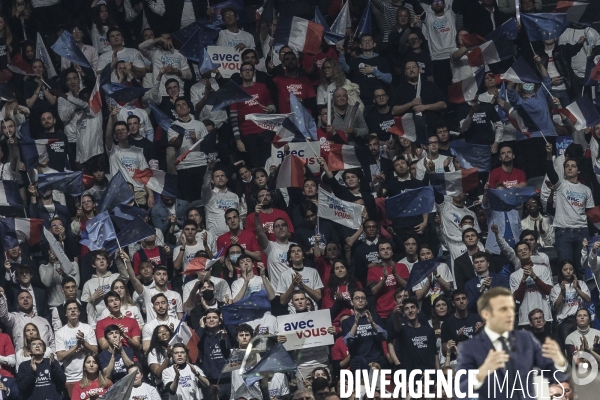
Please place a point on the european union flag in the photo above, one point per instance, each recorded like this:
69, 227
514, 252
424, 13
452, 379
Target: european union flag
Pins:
364, 26
66, 47
98, 231
124, 93
164, 121
9, 194
135, 231
276, 359
129, 212
207, 63
195, 44
509, 199
208, 145
29, 152
66, 182
116, 193
302, 118
268, 13
591, 242
410, 203
327, 34
507, 29
247, 309
544, 26
420, 271
227, 94
472, 155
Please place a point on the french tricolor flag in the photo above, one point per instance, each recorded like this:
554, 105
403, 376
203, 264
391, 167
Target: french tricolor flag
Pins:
19, 66
183, 334
411, 127
290, 173
520, 72
20, 230
339, 156
156, 180
490, 52
299, 34
9, 194
455, 183
593, 215
583, 114
465, 90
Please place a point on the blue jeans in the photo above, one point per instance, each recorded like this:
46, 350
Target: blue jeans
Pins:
568, 246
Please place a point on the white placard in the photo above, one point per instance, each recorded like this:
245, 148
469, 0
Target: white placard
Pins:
301, 149
229, 59
305, 330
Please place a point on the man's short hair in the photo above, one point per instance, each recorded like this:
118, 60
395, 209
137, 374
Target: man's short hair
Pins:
483, 303
458, 292
171, 80
157, 296
112, 29
481, 254
110, 294
244, 328
295, 292
68, 279
468, 230
230, 210
527, 232
533, 312
380, 242
189, 222
132, 116
111, 328
411, 300
226, 10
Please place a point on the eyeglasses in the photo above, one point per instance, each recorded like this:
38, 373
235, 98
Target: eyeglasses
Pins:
361, 298
247, 69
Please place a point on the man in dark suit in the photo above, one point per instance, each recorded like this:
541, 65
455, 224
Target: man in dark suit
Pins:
484, 279
463, 265
500, 354
23, 282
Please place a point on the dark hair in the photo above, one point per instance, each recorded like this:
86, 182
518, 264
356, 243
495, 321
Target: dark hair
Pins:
226, 10
436, 320
66, 305
189, 222
561, 264
155, 342
520, 243
230, 210
214, 311
293, 245
468, 230
458, 292
113, 29
182, 99
350, 281
527, 232
481, 254
308, 206
110, 293
171, 80
68, 279
384, 241
533, 312
411, 300
244, 328
133, 116
156, 296
111, 328
247, 51
247, 63
356, 171
118, 123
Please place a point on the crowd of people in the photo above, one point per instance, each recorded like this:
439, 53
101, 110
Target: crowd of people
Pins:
226, 233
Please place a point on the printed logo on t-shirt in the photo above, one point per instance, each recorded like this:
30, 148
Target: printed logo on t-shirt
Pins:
43, 379
129, 163
385, 125
571, 299
169, 60
576, 199
510, 184
295, 88
268, 227
420, 342
128, 314
441, 25
253, 101
373, 257
224, 204
479, 118
282, 257
185, 381
58, 147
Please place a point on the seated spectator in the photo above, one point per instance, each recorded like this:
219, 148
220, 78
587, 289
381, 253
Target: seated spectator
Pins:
483, 280
93, 383
116, 358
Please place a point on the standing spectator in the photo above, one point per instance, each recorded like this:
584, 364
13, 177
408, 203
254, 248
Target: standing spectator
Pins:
462, 324
118, 52
292, 81
298, 277
232, 36
41, 377
90, 52
538, 223
507, 174
218, 199
385, 278
483, 280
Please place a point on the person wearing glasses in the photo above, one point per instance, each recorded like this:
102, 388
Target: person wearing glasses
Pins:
250, 138
90, 52
418, 53
380, 119
40, 377
232, 35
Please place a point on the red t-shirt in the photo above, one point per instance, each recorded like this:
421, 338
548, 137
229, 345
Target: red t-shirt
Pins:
245, 239
267, 222
498, 175
308, 60
92, 390
327, 299
153, 256
340, 138
132, 328
260, 94
301, 87
339, 351
6, 349
385, 301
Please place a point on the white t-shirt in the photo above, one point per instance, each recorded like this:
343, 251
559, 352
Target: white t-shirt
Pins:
277, 260
127, 161
254, 285
189, 253
127, 54
439, 166
310, 277
127, 311
173, 58
99, 40
146, 129
174, 299
571, 301
195, 158
230, 39
65, 339
278, 386
572, 199
552, 71
440, 32
189, 387
151, 326
436, 289
221, 289
533, 297
144, 392
571, 36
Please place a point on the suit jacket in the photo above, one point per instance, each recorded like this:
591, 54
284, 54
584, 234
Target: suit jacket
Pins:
160, 214
525, 355
473, 292
463, 268
41, 301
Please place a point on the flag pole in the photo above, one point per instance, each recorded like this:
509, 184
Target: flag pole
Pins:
309, 145
328, 107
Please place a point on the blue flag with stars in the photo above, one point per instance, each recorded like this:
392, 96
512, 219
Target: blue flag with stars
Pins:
135, 231
66, 182
124, 93
194, 46
420, 271
302, 118
207, 63
507, 30
472, 155
66, 47
247, 309
98, 230
410, 203
117, 192
509, 199
164, 121
227, 94
544, 26
364, 26
332, 37
276, 359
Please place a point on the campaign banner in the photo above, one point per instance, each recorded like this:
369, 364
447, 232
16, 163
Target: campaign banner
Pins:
229, 59
234, 362
562, 142
305, 330
339, 211
301, 149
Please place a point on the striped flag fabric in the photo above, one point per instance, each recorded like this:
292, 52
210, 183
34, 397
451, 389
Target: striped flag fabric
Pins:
471, 40
207, 145
290, 173
34, 152
58, 251
339, 156
455, 183
299, 34
9, 194
95, 100
157, 180
593, 215
520, 72
411, 127
466, 90
20, 66
183, 334
269, 122
20, 230
490, 52
582, 113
